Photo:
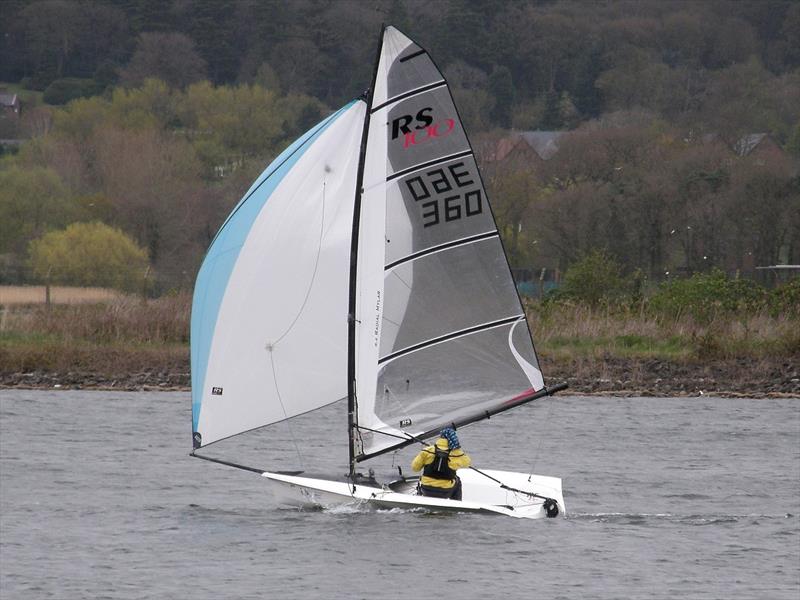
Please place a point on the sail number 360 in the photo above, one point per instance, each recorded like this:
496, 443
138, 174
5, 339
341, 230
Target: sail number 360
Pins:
443, 181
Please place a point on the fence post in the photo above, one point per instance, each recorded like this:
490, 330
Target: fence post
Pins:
144, 285
47, 287
541, 284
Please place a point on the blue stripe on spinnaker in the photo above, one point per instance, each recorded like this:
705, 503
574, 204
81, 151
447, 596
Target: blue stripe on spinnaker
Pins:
224, 251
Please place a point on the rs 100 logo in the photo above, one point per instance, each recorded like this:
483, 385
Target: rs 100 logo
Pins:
424, 127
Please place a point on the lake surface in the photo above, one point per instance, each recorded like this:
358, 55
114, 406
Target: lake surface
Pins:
666, 498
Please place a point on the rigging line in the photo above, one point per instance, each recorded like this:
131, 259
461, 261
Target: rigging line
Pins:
390, 321
316, 267
389, 395
541, 437
280, 401
403, 281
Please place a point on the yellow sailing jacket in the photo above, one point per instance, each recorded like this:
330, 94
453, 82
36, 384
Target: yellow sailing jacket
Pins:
458, 460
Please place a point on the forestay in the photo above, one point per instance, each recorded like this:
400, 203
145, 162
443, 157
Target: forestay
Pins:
269, 318
441, 331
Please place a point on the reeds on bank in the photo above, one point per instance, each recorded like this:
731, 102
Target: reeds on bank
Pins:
124, 335
128, 335
578, 330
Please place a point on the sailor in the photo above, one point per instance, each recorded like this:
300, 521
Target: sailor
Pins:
439, 464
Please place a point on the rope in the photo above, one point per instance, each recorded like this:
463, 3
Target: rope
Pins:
539, 446
287, 420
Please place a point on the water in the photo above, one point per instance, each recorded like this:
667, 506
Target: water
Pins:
667, 498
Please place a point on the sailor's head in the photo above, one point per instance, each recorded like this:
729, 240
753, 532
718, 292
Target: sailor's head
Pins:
449, 434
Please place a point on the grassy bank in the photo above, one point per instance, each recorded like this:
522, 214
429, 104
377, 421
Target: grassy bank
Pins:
129, 343
567, 331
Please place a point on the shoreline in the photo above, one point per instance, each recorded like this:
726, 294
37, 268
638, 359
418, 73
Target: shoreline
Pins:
592, 376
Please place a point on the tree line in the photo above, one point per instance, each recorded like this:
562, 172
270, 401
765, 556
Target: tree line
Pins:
522, 63
153, 116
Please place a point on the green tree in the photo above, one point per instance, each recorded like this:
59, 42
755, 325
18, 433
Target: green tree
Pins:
31, 201
89, 254
594, 279
793, 144
551, 119
704, 295
170, 57
63, 90
502, 88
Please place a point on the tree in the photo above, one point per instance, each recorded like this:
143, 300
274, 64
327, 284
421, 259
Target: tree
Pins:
51, 29
63, 90
170, 57
502, 88
89, 254
60, 38
31, 201
593, 279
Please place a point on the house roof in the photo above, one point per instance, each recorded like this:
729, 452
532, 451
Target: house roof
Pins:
747, 143
7, 99
544, 143
741, 147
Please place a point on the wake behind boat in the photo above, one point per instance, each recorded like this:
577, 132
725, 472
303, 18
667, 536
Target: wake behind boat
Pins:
365, 266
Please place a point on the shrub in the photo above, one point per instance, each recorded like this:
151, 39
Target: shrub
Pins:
595, 279
63, 90
89, 254
785, 299
704, 295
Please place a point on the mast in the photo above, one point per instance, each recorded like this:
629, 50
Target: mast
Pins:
351, 310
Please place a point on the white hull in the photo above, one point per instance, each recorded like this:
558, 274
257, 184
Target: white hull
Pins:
480, 494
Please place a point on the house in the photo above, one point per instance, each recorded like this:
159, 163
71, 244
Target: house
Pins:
10, 103
526, 146
759, 146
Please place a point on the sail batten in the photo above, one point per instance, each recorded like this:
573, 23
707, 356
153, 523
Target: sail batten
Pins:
460, 242
431, 163
410, 94
450, 336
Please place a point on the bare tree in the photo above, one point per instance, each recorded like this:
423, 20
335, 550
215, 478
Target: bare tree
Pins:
170, 57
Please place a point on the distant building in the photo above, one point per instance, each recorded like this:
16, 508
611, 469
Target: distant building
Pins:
10, 103
760, 146
526, 146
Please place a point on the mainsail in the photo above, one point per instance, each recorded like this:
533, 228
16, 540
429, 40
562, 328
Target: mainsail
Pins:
441, 332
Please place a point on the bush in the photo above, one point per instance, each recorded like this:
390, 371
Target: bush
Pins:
63, 90
704, 295
785, 299
593, 280
89, 254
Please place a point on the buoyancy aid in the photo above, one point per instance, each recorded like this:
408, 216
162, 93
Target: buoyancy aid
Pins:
439, 468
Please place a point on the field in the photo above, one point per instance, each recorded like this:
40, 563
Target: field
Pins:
14, 295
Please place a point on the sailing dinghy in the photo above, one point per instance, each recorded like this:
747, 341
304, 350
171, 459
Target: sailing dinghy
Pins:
364, 266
